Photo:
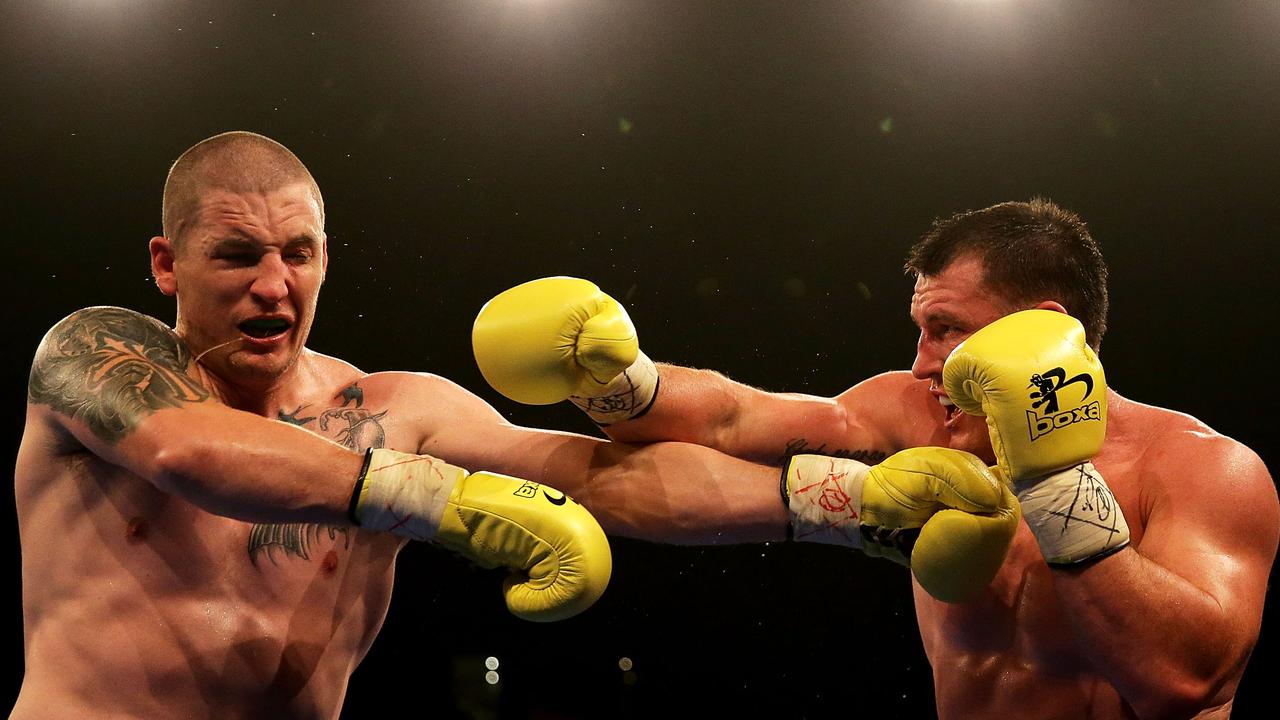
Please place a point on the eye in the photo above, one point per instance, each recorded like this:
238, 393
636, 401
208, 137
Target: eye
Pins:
238, 258
940, 331
299, 257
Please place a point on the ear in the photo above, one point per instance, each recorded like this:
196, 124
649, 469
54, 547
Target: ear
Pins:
324, 266
162, 257
1053, 305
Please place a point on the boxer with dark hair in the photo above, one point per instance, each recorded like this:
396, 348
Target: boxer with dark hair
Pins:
1135, 586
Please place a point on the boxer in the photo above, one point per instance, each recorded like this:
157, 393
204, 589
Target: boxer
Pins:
1135, 583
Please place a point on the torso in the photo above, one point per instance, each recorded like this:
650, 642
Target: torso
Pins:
137, 603
1012, 652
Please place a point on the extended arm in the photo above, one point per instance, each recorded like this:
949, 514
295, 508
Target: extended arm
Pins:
562, 338
667, 492
943, 503
123, 386
706, 408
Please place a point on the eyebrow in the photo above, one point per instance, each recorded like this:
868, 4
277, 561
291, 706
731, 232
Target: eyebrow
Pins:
302, 240
242, 243
936, 317
232, 242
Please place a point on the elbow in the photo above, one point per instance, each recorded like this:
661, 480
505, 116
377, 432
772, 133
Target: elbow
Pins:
1175, 700
837, 416
1182, 695
176, 465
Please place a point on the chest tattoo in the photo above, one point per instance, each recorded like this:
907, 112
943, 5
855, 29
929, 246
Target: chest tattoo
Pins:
349, 424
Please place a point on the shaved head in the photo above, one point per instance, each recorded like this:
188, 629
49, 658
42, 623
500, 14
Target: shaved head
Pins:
239, 162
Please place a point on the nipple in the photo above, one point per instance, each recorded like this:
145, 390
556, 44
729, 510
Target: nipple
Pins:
136, 531
330, 562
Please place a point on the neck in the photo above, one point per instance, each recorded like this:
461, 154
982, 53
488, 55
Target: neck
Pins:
261, 395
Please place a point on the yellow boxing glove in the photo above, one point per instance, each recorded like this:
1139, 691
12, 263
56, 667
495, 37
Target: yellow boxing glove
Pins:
561, 338
939, 511
558, 554
1043, 392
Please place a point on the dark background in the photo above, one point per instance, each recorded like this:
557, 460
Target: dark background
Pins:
746, 176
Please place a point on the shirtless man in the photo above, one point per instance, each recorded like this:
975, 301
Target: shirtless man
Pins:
210, 515
1148, 608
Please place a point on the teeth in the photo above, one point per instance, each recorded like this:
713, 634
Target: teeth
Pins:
945, 401
264, 328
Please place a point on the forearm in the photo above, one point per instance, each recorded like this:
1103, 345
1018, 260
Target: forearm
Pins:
1165, 644
705, 408
663, 492
682, 494
666, 492
243, 466
693, 406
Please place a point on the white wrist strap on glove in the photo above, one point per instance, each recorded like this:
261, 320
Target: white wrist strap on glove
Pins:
403, 494
628, 395
1073, 515
824, 496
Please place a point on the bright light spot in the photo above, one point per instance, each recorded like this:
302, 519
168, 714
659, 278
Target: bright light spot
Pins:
886, 125
491, 677
624, 664
491, 663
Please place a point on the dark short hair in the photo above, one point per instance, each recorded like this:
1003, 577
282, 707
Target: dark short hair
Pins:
237, 161
1030, 252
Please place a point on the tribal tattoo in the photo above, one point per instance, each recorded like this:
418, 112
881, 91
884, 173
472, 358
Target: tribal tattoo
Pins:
291, 538
111, 368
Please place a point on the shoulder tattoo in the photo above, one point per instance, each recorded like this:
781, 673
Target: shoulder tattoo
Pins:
110, 368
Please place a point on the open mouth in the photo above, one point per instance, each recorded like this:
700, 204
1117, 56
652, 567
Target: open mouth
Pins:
950, 407
264, 327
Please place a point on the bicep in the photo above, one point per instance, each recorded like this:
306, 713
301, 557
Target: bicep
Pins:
100, 372
462, 429
706, 408
1216, 525
868, 422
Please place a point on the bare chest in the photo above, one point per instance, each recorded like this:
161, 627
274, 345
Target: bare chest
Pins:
1020, 621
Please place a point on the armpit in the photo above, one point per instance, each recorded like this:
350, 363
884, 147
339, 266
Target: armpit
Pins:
109, 368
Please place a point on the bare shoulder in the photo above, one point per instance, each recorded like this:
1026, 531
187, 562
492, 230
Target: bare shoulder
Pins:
1189, 459
412, 383
108, 367
428, 393
85, 331
891, 383
335, 367
898, 404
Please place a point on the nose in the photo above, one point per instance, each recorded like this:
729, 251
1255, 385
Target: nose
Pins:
270, 285
929, 359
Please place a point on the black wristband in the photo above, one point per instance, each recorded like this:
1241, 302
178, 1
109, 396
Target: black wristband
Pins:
786, 499
1089, 561
657, 383
355, 492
